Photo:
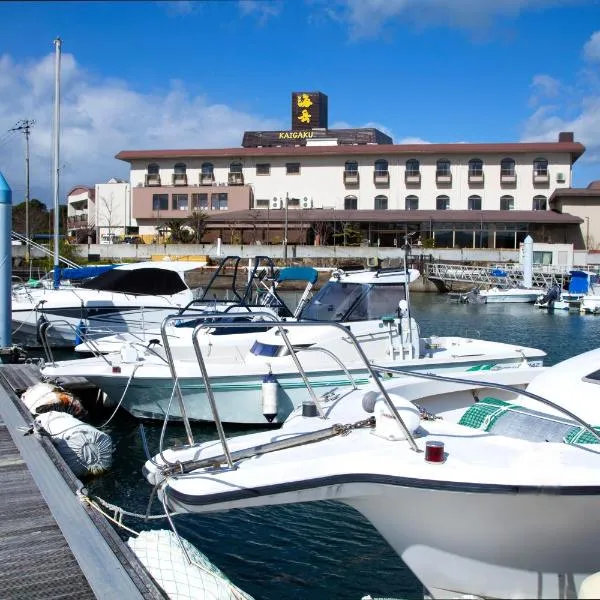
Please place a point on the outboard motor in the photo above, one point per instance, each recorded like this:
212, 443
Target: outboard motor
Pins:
551, 296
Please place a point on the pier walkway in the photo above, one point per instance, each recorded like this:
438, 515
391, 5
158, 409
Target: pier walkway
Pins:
51, 544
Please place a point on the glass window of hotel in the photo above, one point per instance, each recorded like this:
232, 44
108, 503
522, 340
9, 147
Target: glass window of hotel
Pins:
199, 201
411, 203
476, 167
235, 167
381, 167
507, 203
442, 167
207, 168
381, 202
160, 202
540, 166
263, 168
474, 202
350, 203
507, 167
442, 203
153, 169
180, 201
180, 169
292, 168
351, 166
539, 203
412, 166
218, 201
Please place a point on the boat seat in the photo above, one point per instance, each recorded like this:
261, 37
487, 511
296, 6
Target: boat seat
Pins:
503, 418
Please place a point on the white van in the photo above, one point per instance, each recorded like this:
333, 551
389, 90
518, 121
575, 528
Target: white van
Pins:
108, 238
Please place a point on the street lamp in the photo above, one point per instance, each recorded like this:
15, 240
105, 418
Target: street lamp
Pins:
587, 233
285, 229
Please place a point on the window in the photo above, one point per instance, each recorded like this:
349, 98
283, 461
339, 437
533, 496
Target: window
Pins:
180, 169
381, 202
350, 203
218, 201
351, 167
160, 201
153, 169
262, 203
235, 167
474, 202
507, 167
476, 167
539, 203
507, 203
179, 201
199, 201
263, 169
207, 169
411, 203
381, 167
412, 167
540, 167
292, 168
442, 203
442, 168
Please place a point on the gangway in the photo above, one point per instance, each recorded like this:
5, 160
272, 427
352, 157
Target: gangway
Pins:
543, 276
21, 238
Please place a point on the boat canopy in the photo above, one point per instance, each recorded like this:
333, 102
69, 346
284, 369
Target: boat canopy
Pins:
298, 274
145, 281
580, 282
84, 272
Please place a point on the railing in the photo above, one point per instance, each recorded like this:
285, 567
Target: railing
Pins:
21, 238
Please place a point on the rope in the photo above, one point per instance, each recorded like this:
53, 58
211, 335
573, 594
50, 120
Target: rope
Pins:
135, 368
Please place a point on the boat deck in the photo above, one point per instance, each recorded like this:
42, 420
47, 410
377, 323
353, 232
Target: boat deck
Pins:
51, 544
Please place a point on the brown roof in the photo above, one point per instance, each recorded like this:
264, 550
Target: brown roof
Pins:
587, 192
575, 149
411, 216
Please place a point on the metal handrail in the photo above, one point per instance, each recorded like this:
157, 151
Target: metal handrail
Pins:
336, 359
282, 326
499, 386
171, 361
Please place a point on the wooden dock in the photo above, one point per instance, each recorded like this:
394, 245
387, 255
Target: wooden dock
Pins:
51, 544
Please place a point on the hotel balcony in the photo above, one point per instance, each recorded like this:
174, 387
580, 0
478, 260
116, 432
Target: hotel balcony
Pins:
508, 178
179, 179
235, 178
351, 178
541, 178
381, 178
77, 222
207, 178
152, 179
476, 177
412, 177
443, 178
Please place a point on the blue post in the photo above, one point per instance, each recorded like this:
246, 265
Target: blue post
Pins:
5, 263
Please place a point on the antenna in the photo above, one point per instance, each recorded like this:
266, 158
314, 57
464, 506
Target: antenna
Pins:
25, 126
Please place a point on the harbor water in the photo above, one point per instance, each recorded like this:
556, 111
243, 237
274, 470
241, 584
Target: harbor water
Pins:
325, 550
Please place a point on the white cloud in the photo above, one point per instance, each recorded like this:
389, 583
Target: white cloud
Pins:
591, 50
412, 140
366, 17
261, 9
179, 8
98, 119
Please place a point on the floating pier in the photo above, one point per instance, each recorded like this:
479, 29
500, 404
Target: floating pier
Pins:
51, 544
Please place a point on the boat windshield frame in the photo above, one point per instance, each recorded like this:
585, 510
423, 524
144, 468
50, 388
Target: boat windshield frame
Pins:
345, 301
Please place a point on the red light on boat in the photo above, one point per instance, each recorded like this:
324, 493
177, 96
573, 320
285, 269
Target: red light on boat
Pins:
116, 369
434, 452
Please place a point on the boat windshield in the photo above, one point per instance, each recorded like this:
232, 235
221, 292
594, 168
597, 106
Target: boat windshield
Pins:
341, 301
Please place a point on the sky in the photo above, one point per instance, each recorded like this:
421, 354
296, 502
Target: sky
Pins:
197, 74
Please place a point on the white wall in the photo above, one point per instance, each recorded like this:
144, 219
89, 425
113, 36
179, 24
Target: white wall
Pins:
321, 179
113, 207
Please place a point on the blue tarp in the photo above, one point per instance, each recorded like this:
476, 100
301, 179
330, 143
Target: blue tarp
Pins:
298, 274
579, 282
85, 272
498, 273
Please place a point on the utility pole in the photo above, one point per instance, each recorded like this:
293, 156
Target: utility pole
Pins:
285, 230
25, 126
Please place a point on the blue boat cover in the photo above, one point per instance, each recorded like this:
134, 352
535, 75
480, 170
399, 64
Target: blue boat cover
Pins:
498, 273
85, 272
298, 273
579, 282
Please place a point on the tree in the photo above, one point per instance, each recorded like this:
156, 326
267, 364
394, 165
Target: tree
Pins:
38, 217
197, 223
179, 231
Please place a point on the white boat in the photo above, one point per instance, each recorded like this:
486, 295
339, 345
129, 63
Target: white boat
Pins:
250, 369
180, 332
502, 295
481, 489
581, 284
130, 297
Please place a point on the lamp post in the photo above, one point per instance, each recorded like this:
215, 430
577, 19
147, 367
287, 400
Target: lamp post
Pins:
587, 233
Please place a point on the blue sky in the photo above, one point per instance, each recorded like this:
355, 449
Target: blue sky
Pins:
197, 74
